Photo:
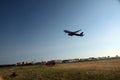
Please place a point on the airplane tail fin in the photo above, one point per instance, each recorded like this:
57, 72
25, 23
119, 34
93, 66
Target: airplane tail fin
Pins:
81, 34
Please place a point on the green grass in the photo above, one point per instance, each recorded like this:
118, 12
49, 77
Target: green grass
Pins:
94, 70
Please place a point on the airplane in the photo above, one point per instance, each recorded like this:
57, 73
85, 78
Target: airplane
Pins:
70, 33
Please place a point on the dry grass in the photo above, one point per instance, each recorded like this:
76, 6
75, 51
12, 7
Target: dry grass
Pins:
97, 65
94, 70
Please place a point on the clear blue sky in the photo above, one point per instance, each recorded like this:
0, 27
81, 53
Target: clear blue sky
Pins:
33, 29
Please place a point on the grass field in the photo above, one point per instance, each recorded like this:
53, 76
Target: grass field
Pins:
93, 70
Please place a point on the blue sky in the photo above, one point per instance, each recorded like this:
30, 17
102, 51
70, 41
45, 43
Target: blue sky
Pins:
33, 29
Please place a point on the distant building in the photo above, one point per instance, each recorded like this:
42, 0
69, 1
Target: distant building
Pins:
92, 59
65, 61
58, 61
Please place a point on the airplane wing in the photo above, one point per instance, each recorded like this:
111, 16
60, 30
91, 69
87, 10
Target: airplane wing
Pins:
77, 31
66, 31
